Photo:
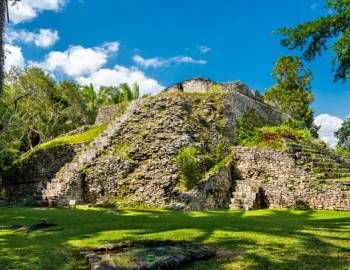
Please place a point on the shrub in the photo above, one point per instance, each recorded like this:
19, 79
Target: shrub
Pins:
276, 136
188, 166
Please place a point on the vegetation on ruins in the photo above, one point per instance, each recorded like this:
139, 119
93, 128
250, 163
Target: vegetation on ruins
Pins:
331, 31
83, 137
194, 163
276, 136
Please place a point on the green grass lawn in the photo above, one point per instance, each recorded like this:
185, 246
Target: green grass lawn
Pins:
265, 239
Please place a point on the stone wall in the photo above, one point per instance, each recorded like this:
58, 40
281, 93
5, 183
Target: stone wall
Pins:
202, 85
28, 178
213, 192
285, 183
107, 113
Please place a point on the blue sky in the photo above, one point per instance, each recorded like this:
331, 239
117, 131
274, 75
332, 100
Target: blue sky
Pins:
162, 42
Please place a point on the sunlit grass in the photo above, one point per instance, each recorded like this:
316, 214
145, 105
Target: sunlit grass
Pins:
265, 239
83, 137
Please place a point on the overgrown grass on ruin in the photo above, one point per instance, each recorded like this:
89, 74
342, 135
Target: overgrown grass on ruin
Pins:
83, 137
275, 137
264, 239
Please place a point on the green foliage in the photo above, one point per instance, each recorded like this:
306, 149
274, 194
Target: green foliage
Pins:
292, 92
343, 135
84, 137
34, 109
247, 124
343, 152
276, 137
194, 163
187, 163
329, 31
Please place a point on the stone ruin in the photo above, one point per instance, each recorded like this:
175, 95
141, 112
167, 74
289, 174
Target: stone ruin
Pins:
132, 162
146, 255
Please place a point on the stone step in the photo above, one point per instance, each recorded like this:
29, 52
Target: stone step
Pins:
58, 190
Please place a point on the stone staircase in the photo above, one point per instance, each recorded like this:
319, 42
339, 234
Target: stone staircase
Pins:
246, 196
322, 162
67, 184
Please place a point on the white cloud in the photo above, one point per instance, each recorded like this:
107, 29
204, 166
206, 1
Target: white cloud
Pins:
120, 74
28, 9
78, 61
42, 38
13, 57
158, 62
329, 124
151, 62
187, 59
204, 49
112, 47
87, 65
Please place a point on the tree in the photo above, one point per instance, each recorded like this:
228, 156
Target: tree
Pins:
3, 17
313, 37
90, 97
343, 135
292, 92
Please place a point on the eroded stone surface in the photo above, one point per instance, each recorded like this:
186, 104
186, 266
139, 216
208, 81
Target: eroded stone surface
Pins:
144, 255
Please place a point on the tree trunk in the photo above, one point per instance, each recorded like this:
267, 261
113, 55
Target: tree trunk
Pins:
3, 15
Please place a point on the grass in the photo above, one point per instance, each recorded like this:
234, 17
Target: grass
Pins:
341, 178
264, 239
84, 137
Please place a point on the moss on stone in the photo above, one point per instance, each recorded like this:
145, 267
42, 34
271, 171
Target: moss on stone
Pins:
84, 137
121, 150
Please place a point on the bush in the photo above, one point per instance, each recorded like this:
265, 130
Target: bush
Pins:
187, 164
276, 136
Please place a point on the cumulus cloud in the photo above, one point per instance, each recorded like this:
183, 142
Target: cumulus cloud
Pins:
78, 61
42, 38
29, 9
204, 49
87, 65
329, 125
159, 62
13, 57
151, 62
120, 74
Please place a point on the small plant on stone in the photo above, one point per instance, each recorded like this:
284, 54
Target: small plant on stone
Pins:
188, 166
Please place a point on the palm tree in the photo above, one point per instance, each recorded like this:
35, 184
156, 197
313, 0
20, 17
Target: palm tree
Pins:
90, 97
129, 93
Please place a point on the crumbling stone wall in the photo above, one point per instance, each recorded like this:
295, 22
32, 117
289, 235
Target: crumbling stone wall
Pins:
28, 178
107, 113
213, 192
202, 85
285, 183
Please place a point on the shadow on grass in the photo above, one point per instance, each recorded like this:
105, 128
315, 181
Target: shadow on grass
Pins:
269, 239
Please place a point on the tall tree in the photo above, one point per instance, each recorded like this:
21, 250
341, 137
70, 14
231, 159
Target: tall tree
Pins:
314, 37
3, 18
292, 92
343, 135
